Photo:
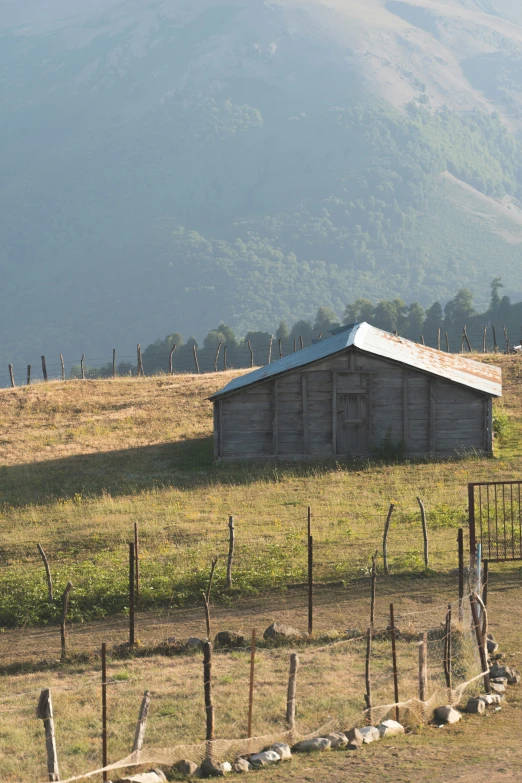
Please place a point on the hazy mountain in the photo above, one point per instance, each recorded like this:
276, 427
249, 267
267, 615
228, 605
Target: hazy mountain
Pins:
169, 165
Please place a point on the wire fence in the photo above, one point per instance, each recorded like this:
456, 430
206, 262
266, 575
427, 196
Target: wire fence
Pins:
190, 358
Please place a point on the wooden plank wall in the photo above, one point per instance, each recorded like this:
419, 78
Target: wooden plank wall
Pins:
294, 416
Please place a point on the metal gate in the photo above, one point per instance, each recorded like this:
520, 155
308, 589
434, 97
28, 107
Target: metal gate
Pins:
495, 519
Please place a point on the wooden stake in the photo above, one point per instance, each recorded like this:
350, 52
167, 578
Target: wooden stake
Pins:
394, 662
132, 583
217, 355
114, 362
460, 543
481, 642
137, 559
447, 342
495, 346
44, 368
484, 340
424, 532
270, 349
63, 367
104, 709
280, 348
251, 353
47, 574
65, 608
11, 376
207, 681
385, 539
28, 374
447, 649
82, 366
438, 339
231, 542
206, 595
372, 589
139, 736
368, 694
251, 685
295, 345
423, 666
195, 353
485, 578
292, 689
44, 712
171, 355
225, 357
422, 339
301, 342
310, 585
467, 340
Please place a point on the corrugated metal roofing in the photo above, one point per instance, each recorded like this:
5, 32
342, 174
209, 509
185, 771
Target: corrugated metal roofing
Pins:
485, 378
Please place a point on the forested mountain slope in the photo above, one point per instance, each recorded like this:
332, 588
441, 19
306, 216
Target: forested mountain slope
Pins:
245, 161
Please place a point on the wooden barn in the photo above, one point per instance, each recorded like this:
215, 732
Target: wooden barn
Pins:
347, 394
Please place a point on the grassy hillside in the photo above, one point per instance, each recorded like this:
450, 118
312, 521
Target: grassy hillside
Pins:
82, 461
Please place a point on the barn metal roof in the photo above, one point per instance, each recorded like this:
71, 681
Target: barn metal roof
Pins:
485, 378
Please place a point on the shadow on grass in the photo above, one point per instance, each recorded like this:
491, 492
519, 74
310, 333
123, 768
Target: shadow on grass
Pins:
184, 465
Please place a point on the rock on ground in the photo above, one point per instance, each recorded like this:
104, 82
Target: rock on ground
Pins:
389, 728
447, 714
186, 767
511, 674
156, 776
492, 646
370, 734
311, 745
491, 698
282, 750
355, 739
194, 643
263, 759
337, 739
497, 687
476, 706
278, 632
241, 765
211, 770
229, 639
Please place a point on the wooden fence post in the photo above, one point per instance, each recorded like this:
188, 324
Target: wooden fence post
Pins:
485, 579
394, 662
310, 575
44, 368
367, 677
225, 357
195, 353
385, 539
423, 666
47, 574
206, 595
231, 542
295, 345
422, 340
251, 353
11, 376
280, 348
484, 340
291, 693
251, 683
28, 374
447, 649
217, 356
270, 349
460, 543
139, 736
424, 532
114, 362
65, 609
171, 355
104, 709
447, 342
495, 346
82, 365
506, 338
63, 367
44, 712
465, 335
301, 342
438, 339
481, 642
207, 682
372, 589
137, 559
132, 582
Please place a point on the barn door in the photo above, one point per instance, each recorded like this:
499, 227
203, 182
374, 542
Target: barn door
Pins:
352, 414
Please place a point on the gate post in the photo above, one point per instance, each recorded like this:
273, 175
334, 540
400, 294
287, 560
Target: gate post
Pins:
471, 517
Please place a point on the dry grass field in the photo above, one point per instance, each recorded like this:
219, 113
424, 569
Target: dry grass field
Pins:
80, 462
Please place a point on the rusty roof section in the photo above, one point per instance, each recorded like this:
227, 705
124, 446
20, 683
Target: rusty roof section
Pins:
484, 378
